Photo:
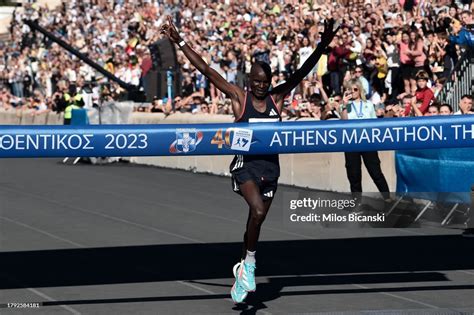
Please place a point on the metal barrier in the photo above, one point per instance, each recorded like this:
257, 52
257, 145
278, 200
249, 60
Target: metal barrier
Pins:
461, 81
469, 227
470, 220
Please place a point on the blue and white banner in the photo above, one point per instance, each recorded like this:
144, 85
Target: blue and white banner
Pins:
229, 139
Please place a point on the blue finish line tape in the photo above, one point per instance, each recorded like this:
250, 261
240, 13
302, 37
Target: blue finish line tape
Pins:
230, 139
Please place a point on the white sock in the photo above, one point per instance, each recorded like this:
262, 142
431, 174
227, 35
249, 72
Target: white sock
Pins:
250, 258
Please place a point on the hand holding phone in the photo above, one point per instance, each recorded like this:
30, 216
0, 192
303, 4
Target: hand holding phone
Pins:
347, 97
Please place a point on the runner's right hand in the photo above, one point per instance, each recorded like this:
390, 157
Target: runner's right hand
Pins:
168, 29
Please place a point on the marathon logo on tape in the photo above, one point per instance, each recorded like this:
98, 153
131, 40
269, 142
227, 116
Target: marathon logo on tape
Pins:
242, 139
186, 141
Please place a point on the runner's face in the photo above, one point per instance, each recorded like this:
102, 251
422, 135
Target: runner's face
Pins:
259, 83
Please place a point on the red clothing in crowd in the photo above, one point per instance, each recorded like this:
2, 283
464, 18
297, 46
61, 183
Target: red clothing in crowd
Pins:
336, 57
146, 65
424, 96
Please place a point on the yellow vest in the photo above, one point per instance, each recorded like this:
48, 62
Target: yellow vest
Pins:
77, 98
68, 111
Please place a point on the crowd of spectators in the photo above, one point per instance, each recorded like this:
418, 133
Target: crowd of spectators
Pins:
114, 34
402, 51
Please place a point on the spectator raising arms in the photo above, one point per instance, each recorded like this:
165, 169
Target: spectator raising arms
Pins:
384, 45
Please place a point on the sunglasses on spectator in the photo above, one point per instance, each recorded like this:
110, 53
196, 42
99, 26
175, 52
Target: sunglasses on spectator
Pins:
355, 90
358, 71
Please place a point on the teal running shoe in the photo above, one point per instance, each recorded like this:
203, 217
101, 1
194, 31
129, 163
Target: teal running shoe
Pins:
237, 292
246, 276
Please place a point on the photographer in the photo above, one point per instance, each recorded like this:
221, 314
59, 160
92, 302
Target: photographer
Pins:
61, 97
160, 106
303, 110
108, 93
75, 102
331, 108
355, 106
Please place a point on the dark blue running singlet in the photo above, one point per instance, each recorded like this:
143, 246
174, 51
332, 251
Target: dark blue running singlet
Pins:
267, 164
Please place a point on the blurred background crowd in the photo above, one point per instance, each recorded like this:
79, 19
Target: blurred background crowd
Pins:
401, 51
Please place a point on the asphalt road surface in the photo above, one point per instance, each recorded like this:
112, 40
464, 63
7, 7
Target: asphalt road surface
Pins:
126, 239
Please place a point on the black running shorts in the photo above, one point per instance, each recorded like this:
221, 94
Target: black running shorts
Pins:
267, 185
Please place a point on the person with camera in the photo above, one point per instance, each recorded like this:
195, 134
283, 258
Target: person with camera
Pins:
75, 101
356, 106
61, 97
331, 108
